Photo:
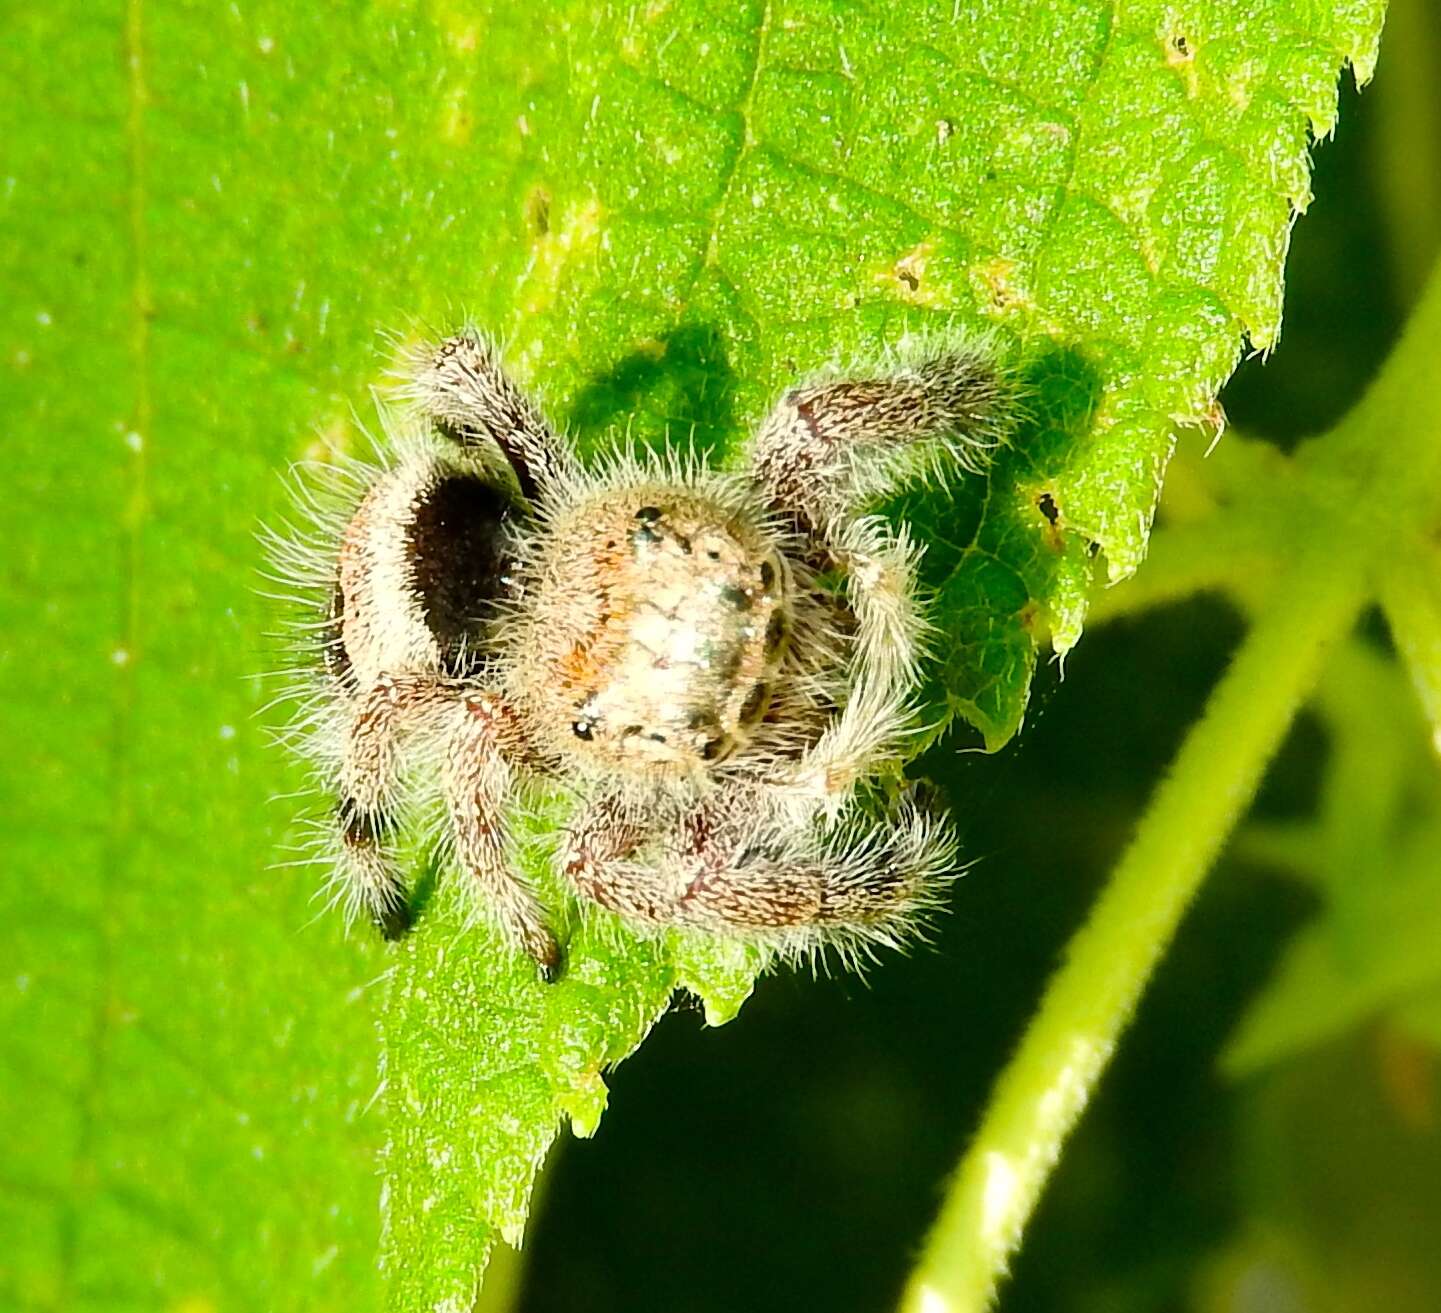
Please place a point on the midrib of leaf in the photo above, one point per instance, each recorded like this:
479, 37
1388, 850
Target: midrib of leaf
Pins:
116, 853
127, 1161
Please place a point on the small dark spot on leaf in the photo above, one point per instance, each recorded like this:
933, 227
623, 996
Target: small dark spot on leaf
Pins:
1179, 50
1046, 504
537, 211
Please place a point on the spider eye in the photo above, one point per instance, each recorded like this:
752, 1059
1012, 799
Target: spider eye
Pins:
646, 520
583, 730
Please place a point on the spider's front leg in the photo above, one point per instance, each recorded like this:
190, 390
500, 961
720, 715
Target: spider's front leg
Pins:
850, 885
727, 868
825, 450
390, 710
462, 388
597, 859
481, 737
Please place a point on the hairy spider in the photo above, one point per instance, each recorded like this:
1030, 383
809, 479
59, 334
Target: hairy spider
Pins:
710, 661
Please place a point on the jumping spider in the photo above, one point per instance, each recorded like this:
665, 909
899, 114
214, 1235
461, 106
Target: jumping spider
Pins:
710, 661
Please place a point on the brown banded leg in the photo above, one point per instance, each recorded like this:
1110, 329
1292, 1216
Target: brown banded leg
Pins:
726, 873
368, 868
876, 714
853, 886
823, 448
596, 858
463, 388
383, 714
477, 783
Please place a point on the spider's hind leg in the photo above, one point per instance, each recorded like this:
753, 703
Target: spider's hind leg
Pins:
469, 728
382, 716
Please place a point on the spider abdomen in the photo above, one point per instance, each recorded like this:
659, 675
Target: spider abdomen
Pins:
662, 637
422, 563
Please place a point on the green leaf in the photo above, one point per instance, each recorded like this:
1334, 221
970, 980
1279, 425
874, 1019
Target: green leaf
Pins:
670, 210
482, 1063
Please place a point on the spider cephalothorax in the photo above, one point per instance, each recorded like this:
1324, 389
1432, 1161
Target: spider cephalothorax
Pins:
655, 620
711, 661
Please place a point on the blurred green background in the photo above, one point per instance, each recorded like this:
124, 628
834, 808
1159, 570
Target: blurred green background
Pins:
791, 1160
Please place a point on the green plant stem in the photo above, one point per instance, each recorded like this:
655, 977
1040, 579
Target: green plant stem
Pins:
1380, 468
1411, 601
1090, 999
1371, 488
